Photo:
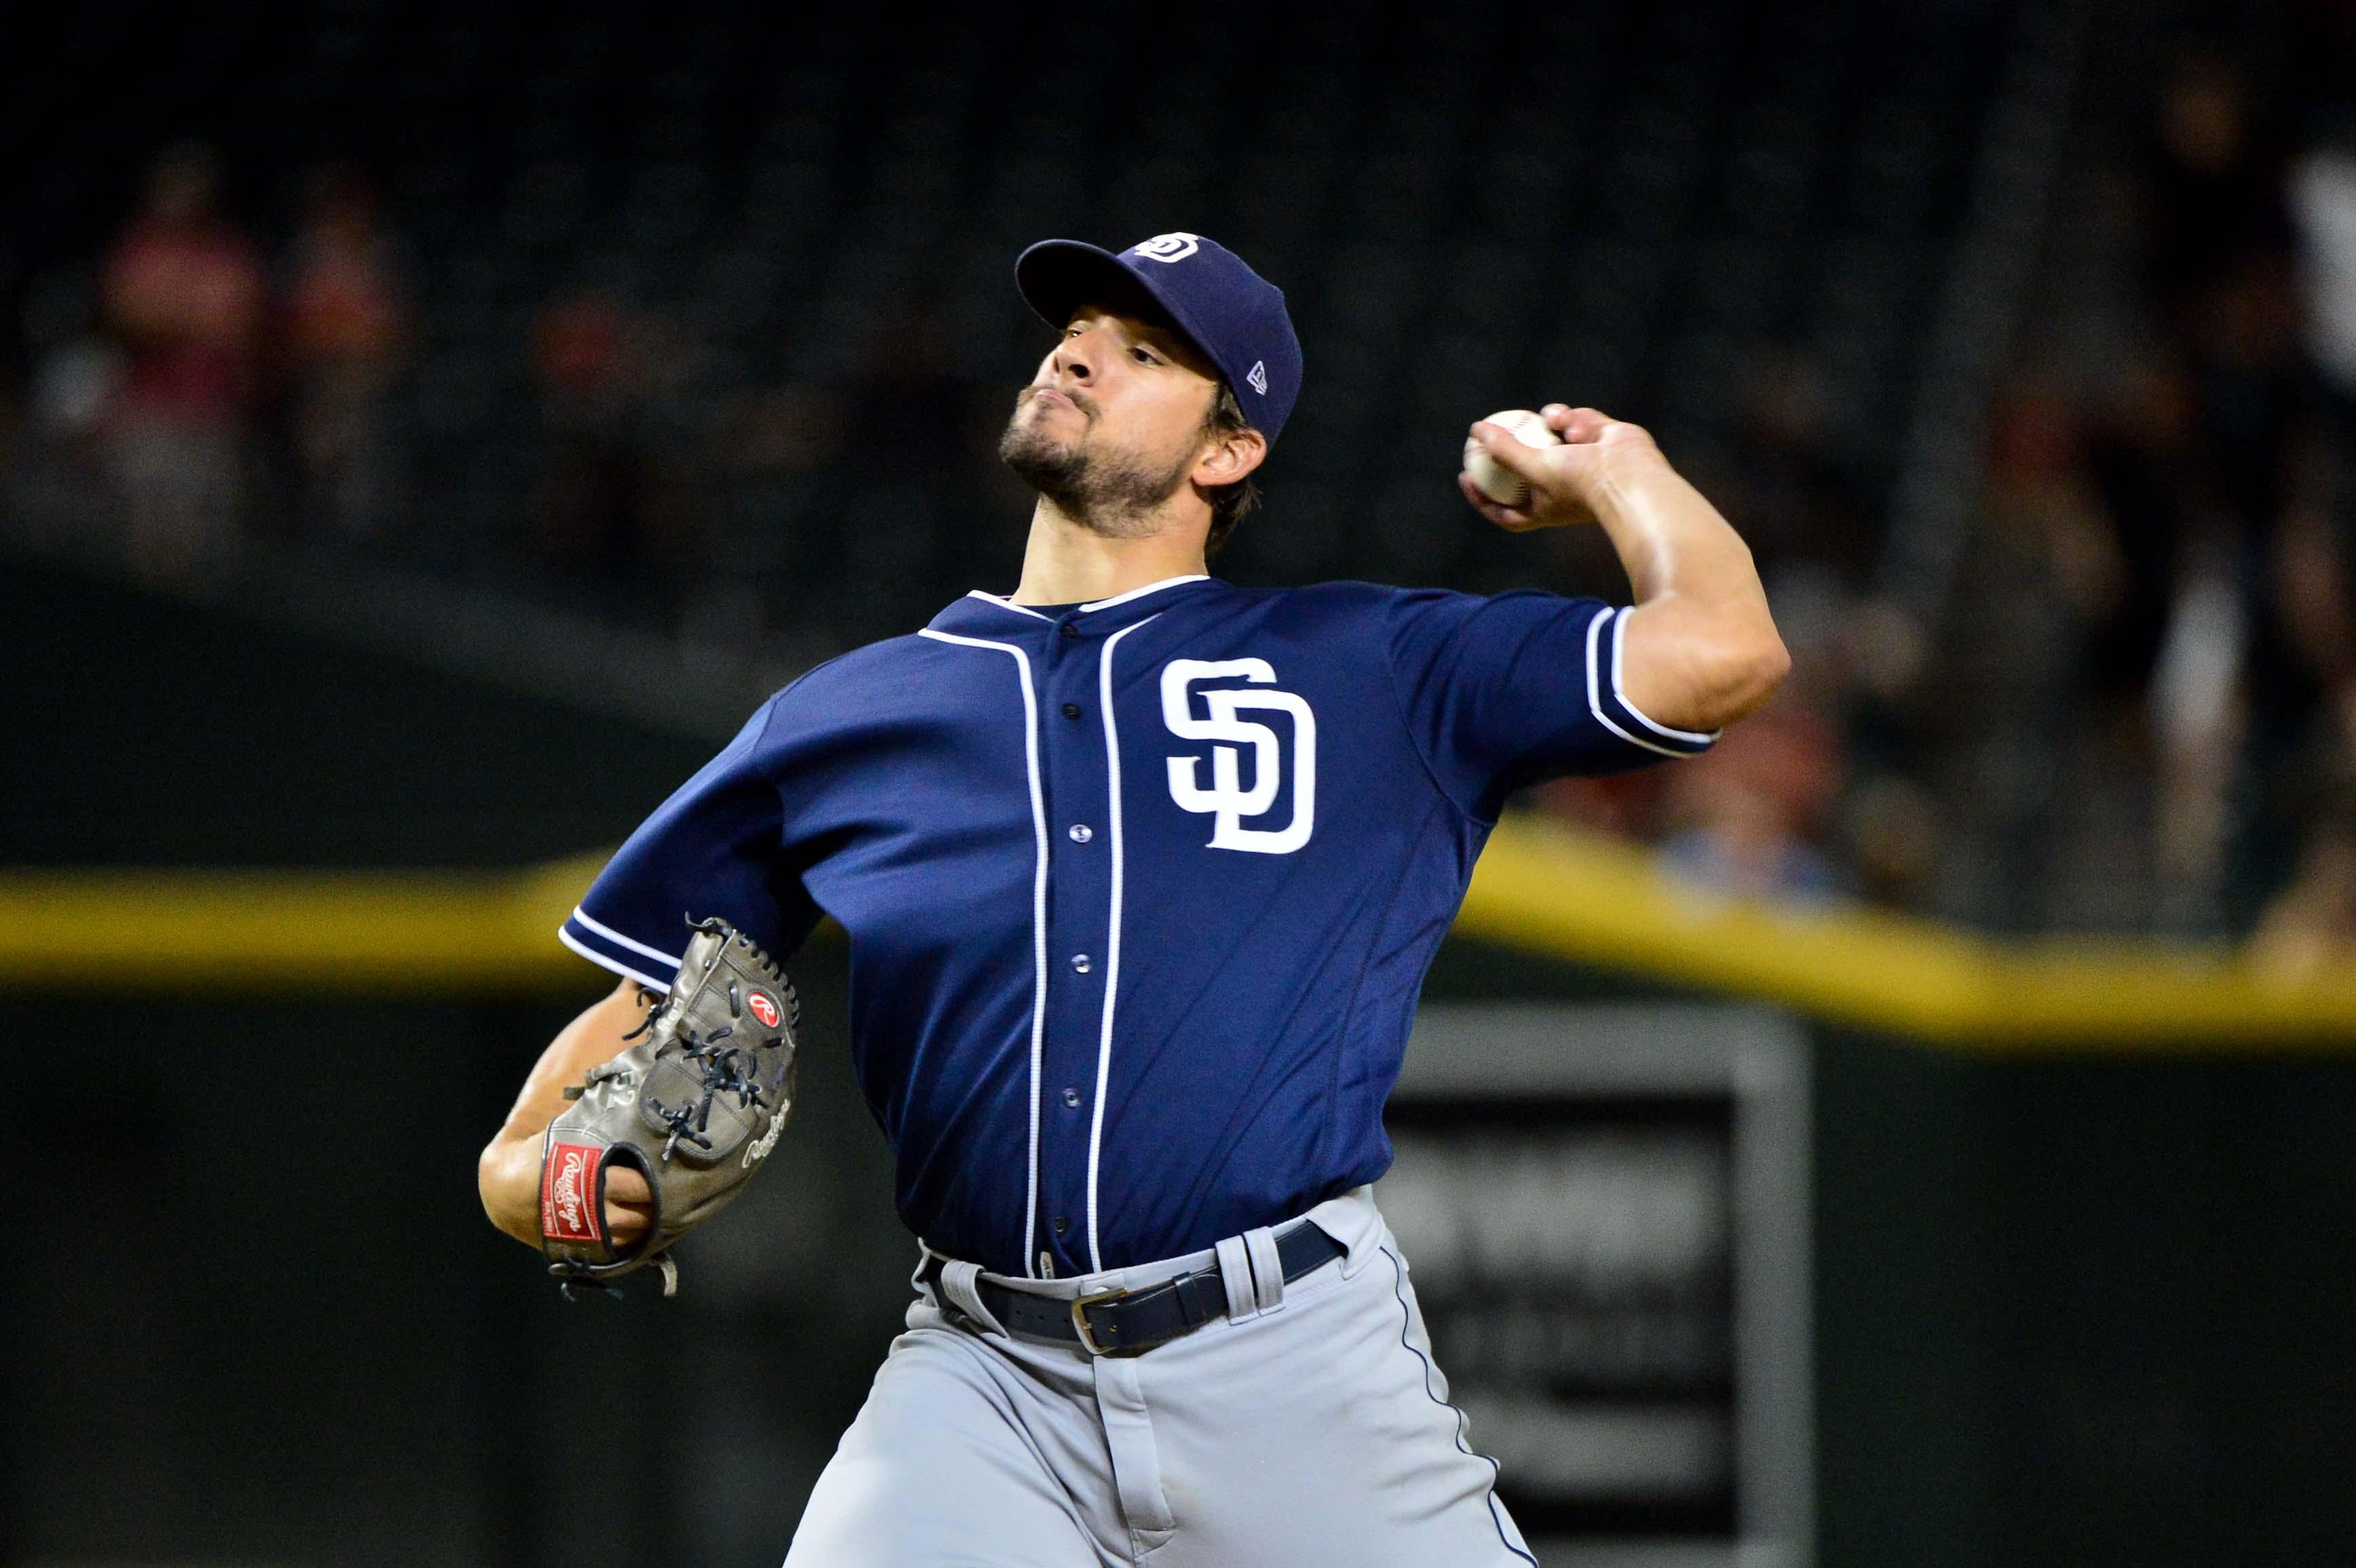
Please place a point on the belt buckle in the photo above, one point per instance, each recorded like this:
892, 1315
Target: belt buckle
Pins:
1080, 1304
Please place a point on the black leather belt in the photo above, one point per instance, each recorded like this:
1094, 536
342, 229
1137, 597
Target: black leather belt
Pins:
1129, 1323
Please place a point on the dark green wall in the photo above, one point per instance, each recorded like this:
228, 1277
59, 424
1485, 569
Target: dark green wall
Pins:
2098, 1312
146, 731
263, 1319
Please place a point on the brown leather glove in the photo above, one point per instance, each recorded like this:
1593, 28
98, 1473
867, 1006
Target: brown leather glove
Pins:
695, 1104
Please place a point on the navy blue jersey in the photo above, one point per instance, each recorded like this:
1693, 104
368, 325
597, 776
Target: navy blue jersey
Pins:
1139, 893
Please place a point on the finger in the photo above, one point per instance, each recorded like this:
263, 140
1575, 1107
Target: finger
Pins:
621, 1229
1510, 452
1508, 517
1583, 425
1556, 415
1480, 498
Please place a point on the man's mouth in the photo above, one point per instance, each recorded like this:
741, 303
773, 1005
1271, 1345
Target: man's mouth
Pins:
1050, 398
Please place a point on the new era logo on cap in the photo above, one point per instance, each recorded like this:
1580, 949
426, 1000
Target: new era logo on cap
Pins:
1232, 313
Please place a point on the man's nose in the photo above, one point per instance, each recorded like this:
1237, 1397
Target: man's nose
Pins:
1074, 355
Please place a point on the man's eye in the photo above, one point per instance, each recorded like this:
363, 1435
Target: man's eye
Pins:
1145, 355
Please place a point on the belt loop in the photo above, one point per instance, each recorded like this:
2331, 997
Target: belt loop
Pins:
957, 1284
1235, 1274
1267, 1268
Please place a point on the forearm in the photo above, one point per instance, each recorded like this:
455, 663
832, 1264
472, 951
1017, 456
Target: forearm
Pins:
1700, 649
508, 1174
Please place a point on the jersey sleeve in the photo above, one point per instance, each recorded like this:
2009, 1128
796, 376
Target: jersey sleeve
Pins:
1503, 691
714, 847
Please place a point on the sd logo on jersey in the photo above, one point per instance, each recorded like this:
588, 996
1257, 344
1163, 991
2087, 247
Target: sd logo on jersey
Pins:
1226, 800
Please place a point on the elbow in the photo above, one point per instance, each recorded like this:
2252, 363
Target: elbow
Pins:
1701, 667
509, 1191
1743, 677
1767, 666
490, 1183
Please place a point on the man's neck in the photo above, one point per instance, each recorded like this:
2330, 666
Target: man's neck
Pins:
1065, 563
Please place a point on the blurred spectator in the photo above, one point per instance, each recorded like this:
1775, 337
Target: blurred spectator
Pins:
1751, 817
58, 491
184, 293
2219, 268
1892, 831
1628, 805
1794, 501
2309, 929
2197, 717
590, 508
1747, 813
2323, 200
2043, 505
951, 514
346, 331
791, 428
77, 369
2315, 574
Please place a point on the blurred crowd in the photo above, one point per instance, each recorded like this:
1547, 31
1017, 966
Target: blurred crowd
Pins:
2135, 710
2138, 709
190, 369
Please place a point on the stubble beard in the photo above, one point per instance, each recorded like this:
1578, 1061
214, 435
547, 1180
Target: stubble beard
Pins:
1111, 494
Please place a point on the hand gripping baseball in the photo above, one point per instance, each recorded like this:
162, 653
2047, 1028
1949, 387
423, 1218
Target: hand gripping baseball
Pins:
694, 1106
1567, 484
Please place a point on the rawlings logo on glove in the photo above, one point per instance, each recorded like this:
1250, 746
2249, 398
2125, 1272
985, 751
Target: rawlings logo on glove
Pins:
569, 1206
712, 1073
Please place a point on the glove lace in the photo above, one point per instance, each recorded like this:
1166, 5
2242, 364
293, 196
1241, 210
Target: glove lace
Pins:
727, 1070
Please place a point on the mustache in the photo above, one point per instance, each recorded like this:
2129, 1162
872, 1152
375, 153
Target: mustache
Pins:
1080, 399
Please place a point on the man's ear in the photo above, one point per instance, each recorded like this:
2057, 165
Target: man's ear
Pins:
1232, 458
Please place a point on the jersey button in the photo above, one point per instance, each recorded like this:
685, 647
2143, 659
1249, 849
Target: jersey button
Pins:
1072, 1098
1062, 1225
1082, 962
1071, 710
1070, 630
1081, 833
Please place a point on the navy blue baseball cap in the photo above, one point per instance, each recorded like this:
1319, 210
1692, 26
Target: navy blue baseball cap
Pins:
1232, 313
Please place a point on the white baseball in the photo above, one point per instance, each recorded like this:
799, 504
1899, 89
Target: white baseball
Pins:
1497, 481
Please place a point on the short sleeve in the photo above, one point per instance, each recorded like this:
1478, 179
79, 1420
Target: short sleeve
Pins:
714, 847
1503, 691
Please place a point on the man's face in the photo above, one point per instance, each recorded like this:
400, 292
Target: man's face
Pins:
1112, 423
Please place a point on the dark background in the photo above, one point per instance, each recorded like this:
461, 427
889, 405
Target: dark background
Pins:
682, 340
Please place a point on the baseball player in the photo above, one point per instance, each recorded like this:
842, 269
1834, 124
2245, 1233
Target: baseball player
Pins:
1142, 872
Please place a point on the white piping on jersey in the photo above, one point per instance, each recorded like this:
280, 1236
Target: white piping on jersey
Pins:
618, 940
605, 960
1141, 592
1595, 693
1038, 914
1619, 645
1006, 604
1112, 941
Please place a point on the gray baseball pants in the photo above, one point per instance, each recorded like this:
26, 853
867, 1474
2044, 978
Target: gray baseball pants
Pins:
1308, 1425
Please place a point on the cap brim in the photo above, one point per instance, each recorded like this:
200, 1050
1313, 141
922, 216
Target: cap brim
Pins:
1056, 277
